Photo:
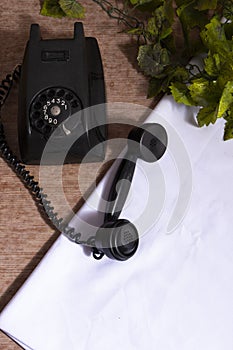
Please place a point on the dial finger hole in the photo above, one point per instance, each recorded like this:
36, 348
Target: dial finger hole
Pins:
74, 104
43, 98
69, 97
37, 105
36, 115
51, 93
39, 124
61, 93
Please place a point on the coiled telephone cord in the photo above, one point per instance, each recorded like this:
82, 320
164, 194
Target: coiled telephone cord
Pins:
44, 205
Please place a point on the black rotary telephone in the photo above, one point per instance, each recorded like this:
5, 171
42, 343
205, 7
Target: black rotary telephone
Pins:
59, 79
53, 87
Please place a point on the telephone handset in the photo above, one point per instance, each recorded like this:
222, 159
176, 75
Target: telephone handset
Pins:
60, 78
117, 238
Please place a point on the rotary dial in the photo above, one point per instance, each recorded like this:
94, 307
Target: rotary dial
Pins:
51, 107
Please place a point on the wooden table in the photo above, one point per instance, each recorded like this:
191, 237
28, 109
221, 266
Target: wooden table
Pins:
24, 235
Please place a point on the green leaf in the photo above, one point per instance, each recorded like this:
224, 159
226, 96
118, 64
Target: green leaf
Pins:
52, 8
182, 2
139, 2
180, 74
192, 21
228, 130
160, 24
152, 27
171, 44
207, 115
146, 5
152, 59
228, 10
213, 64
72, 8
135, 31
155, 87
226, 100
169, 11
213, 36
228, 28
172, 74
190, 17
206, 5
181, 93
226, 71
204, 92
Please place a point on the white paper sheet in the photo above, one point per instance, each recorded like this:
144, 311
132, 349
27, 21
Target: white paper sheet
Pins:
175, 293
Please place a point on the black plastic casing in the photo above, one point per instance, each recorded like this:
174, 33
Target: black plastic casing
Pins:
73, 64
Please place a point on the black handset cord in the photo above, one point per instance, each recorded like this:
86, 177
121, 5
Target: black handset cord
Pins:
28, 180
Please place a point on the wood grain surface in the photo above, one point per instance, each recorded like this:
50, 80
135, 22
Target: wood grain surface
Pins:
24, 235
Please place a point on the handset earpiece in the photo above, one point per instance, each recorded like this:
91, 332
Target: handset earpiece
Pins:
118, 238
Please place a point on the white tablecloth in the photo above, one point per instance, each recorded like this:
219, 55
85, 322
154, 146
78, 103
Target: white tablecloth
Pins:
176, 292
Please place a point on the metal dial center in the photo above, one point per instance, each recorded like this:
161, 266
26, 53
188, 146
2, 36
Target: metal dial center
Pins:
55, 111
